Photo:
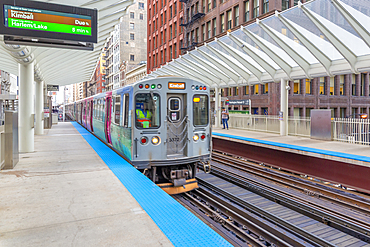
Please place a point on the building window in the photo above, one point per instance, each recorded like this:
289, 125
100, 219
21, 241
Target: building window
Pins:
171, 32
362, 84
171, 53
204, 6
236, 91
229, 19
322, 86
332, 84
197, 35
214, 26
141, 5
209, 5
175, 29
132, 36
284, 5
161, 19
165, 17
222, 22
161, 57
255, 89
214, 3
236, 11
309, 86
175, 50
132, 15
170, 11
341, 85
164, 35
265, 6
209, 29
246, 90
265, 88
256, 8
204, 32
132, 25
175, 8
246, 11
132, 57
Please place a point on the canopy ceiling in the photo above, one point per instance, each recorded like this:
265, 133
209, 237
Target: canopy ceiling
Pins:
65, 66
318, 38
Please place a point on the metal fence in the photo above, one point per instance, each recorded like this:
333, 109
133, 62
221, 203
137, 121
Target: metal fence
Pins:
352, 130
271, 124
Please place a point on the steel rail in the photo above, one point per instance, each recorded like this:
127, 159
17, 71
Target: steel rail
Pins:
250, 223
357, 204
299, 205
204, 204
301, 233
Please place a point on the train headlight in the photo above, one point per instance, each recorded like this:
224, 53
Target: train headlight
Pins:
159, 86
196, 137
156, 140
143, 140
193, 87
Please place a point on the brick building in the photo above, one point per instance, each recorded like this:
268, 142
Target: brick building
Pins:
175, 27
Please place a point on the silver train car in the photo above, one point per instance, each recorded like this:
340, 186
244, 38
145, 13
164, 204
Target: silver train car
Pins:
161, 126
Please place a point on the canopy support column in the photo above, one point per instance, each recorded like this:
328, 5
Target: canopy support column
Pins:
39, 111
217, 107
26, 130
284, 87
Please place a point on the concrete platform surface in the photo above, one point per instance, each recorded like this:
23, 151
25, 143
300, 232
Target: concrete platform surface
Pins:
63, 194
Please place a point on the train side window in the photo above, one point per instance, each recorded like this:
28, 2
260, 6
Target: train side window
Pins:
125, 111
200, 110
117, 109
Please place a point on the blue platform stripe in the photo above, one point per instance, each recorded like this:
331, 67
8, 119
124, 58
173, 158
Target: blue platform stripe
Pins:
296, 147
180, 226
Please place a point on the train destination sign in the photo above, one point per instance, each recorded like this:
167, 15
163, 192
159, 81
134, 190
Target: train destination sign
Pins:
48, 21
40, 23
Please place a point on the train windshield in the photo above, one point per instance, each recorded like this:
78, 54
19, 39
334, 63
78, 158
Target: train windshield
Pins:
147, 110
200, 110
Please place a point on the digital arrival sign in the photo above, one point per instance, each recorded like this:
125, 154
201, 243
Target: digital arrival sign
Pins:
36, 23
44, 20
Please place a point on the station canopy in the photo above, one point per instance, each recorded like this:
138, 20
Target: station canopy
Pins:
65, 66
315, 39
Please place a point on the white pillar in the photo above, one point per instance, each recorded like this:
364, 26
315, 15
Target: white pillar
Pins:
217, 107
64, 104
284, 87
39, 108
26, 132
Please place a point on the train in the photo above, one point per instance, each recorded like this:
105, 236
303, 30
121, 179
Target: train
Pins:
161, 126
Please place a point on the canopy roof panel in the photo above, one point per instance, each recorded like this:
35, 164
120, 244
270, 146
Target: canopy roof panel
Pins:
64, 66
318, 38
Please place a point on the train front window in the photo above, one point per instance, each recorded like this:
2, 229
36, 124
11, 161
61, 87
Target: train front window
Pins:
147, 110
200, 110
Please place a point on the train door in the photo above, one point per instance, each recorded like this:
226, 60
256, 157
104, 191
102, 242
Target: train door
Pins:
107, 123
177, 128
91, 114
88, 114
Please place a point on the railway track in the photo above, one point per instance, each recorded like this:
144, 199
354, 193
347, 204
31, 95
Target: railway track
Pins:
253, 212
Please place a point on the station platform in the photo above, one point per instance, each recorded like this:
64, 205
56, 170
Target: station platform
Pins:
344, 163
75, 191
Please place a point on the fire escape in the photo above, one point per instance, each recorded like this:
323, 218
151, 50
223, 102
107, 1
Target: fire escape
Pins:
191, 16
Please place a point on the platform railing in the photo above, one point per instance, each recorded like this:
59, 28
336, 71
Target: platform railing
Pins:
352, 130
271, 124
